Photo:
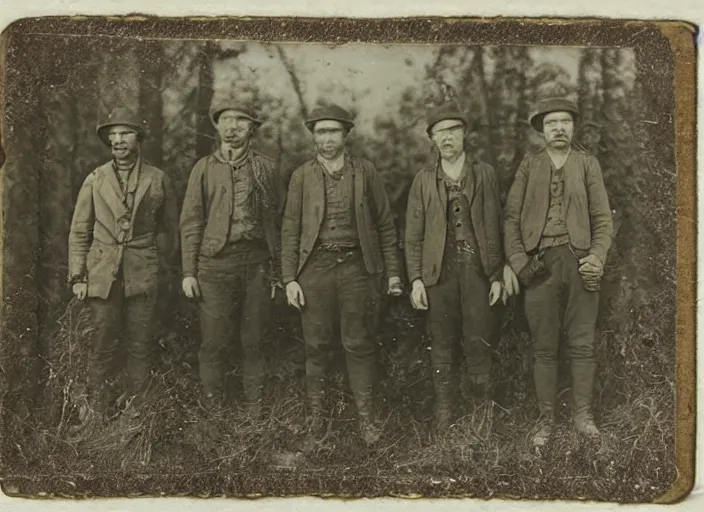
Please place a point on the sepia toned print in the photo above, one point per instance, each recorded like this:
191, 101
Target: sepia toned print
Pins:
269, 265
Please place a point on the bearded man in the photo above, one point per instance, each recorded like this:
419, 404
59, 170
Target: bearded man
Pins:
230, 250
122, 208
558, 231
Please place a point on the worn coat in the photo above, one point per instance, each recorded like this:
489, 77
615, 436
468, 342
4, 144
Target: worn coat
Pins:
94, 249
426, 221
207, 208
305, 208
585, 206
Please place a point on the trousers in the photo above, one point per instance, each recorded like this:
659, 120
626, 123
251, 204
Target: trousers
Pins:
123, 340
235, 304
341, 302
460, 320
560, 302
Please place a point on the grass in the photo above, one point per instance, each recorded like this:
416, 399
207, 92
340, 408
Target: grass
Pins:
172, 445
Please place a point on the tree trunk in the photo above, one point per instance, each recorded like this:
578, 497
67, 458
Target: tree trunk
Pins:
489, 124
205, 131
151, 62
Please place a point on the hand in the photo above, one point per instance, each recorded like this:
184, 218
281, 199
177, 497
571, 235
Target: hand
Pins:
495, 292
591, 265
395, 287
419, 299
275, 285
510, 284
190, 287
80, 290
294, 295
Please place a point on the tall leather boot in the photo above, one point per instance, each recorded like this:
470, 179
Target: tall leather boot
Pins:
583, 376
315, 389
253, 393
545, 379
444, 383
368, 425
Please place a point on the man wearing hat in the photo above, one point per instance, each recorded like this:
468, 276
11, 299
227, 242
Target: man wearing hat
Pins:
558, 231
454, 258
230, 248
338, 241
122, 207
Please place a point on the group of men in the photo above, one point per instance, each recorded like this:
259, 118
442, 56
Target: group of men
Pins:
331, 244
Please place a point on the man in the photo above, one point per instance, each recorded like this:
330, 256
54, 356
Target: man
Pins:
337, 241
558, 231
230, 245
454, 258
122, 207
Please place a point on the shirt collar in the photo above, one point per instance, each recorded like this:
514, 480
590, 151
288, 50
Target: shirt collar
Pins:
443, 164
334, 166
221, 156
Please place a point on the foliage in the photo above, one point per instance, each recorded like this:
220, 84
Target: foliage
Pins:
486, 453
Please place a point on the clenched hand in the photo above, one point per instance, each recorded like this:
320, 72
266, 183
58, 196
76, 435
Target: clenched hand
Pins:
294, 295
190, 287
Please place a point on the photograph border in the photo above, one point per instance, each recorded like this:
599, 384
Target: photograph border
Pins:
674, 37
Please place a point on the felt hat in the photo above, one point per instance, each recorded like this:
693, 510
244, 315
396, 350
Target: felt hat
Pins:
449, 110
330, 113
549, 105
120, 116
220, 106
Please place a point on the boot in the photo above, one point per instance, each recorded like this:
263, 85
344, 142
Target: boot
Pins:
545, 426
253, 391
315, 424
480, 383
584, 423
583, 376
368, 425
443, 382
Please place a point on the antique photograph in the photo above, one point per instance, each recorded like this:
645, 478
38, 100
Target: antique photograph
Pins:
274, 257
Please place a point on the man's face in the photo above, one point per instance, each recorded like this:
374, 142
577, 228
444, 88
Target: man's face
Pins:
234, 128
329, 138
558, 129
448, 136
124, 141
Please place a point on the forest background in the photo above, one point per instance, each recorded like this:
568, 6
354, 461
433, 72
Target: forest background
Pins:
389, 88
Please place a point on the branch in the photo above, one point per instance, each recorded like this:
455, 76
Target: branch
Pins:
288, 65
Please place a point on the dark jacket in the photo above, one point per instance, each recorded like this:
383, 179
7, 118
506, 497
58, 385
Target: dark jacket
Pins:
305, 208
426, 221
206, 211
585, 206
94, 248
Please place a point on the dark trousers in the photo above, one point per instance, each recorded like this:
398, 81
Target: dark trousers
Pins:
560, 302
340, 294
235, 299
123, 333
460, 319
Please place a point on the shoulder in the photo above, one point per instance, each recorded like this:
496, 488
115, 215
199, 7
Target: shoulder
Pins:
482, 168
424, 174
153, 169
98, 173
585, 156
264, 160
303, 169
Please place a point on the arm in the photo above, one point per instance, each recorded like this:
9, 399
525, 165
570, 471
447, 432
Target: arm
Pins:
81, 234
415, 231
385, 227
291, 228
513, 244
192, 221
493, 258
599, 211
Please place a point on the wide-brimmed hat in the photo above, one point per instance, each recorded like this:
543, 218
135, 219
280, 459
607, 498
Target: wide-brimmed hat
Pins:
449, 110
120, 116
220, 106
330, 113
549, 105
